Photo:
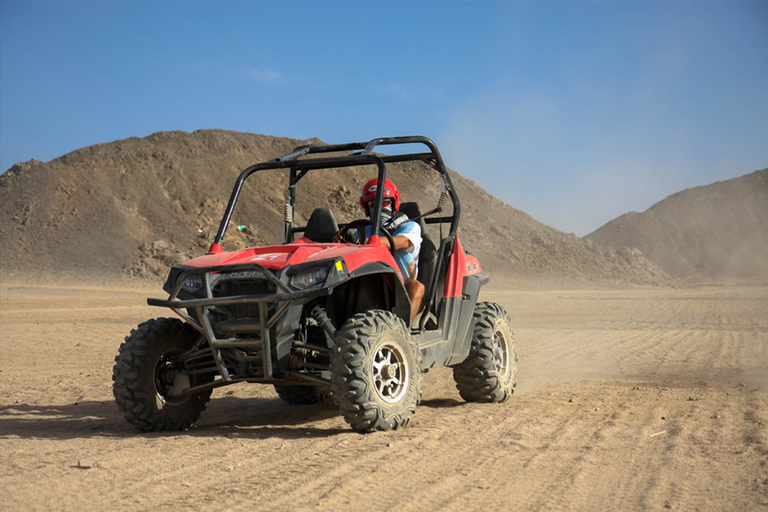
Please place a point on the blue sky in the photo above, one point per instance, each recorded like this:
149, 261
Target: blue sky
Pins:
573, 111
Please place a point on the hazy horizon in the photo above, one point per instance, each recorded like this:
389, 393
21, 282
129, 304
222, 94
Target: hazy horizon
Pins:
574, 112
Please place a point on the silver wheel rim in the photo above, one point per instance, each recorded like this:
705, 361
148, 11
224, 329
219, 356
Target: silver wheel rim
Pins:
391, 375
501, 354
169, 381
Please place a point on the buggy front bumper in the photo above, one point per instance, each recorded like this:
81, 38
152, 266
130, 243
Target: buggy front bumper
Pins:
254, 337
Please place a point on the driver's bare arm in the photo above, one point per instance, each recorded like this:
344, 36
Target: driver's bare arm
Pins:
401, 242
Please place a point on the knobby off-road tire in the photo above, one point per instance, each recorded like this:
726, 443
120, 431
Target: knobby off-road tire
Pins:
488, 374
144, 373
376, 372
302, 395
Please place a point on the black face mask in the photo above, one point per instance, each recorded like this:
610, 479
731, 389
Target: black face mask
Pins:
391, 220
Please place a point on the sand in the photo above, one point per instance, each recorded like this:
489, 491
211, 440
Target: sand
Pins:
640, 399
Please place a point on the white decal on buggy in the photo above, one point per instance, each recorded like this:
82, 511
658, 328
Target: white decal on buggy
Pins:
329, 248
266, 257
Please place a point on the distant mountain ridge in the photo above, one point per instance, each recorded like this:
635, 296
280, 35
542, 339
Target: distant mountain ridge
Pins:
134, 207
713, 231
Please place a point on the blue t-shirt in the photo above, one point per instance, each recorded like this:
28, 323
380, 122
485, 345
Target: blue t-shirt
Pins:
407, 259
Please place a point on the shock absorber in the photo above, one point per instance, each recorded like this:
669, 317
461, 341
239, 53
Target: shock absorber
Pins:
288, 218
318, 313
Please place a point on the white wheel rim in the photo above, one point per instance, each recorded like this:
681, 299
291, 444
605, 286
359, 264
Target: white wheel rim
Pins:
391, 374
501, 354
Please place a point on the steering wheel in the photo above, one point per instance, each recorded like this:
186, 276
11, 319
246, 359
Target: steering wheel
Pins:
359, 226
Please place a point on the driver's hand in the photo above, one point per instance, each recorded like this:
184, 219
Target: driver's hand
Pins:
337, 237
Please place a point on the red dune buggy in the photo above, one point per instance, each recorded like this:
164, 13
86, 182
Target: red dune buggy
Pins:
316, 318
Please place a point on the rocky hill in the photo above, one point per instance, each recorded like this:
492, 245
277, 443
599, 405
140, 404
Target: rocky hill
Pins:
715, 231
133, 207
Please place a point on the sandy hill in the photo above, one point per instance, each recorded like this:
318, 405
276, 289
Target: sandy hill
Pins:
715, 231
133, 207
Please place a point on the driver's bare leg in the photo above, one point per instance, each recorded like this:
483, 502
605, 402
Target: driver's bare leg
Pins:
415, 292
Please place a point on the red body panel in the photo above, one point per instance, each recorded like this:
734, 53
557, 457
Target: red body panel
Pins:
460, 265
302, 251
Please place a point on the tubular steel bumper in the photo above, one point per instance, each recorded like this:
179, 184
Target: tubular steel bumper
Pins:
258, 342
239, 299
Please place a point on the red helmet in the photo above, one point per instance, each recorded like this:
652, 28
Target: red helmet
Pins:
369, 193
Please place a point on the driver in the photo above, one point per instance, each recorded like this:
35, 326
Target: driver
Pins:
406, 235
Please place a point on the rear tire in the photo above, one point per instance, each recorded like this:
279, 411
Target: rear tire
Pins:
144, 374
302, 395
376, 372
489, 373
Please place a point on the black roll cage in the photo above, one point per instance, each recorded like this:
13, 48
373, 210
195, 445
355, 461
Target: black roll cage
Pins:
359, 153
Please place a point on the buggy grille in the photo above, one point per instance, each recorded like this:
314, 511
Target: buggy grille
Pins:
232, 287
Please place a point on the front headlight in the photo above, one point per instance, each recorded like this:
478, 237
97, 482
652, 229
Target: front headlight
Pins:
192, 283
309, 278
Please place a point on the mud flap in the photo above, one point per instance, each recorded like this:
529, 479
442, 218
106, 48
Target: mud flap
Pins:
465, 322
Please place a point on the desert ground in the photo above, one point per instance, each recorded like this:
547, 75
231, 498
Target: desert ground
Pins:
628, 399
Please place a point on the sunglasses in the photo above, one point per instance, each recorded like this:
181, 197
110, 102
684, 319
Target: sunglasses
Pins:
387, 202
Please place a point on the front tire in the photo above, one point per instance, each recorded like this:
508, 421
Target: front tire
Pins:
376, 372
489, 373
145, 375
